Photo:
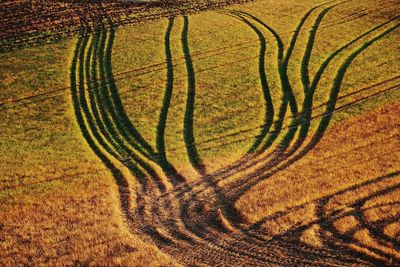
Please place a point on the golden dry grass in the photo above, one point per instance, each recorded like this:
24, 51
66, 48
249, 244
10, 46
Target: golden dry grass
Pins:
346, 168
79, 185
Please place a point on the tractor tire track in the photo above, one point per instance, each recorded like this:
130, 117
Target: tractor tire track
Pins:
197, 222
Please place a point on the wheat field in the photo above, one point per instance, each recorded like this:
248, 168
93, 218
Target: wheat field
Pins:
257, 134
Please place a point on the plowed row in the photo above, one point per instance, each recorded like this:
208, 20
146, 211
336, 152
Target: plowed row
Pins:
26, 22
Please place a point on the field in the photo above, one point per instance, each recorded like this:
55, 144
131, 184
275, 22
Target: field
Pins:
255, 134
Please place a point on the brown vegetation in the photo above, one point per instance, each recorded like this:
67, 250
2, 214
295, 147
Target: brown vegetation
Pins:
31, 22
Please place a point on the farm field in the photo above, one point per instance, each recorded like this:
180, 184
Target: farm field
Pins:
264, 133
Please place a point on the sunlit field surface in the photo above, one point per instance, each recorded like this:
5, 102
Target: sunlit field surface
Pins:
261, 134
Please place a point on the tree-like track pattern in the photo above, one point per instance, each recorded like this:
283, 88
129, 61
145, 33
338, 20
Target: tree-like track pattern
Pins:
197, 222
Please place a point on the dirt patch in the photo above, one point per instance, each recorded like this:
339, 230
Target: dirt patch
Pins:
25, 23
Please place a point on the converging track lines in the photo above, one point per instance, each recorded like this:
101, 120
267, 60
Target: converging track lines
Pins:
197, 222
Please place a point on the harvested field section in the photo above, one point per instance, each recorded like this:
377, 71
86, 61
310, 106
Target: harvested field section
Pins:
26, 22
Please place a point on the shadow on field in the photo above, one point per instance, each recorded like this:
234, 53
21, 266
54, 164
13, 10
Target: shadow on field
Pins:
353, 208
197, 222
